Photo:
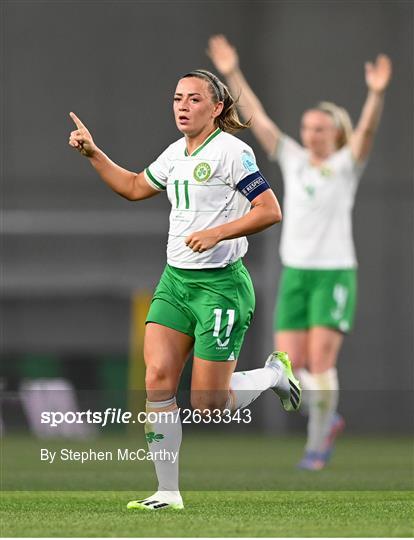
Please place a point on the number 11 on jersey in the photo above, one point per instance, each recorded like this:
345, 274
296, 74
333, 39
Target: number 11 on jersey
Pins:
177, 194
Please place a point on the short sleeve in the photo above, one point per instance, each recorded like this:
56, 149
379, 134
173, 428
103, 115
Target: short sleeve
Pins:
247, 178
243, 163
346, 161
156, 174
287, 150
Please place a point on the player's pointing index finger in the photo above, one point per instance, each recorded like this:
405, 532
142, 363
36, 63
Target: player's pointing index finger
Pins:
77, 121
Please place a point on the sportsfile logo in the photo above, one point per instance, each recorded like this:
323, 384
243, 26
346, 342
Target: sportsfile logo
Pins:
114, 415
109, 416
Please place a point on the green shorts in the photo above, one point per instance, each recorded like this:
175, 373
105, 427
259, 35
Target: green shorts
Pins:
214, 306
308, 298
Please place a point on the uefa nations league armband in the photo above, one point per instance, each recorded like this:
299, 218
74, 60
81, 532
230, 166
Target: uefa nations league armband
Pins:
253, 185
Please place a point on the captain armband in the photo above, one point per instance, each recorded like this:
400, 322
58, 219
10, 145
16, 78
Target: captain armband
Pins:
251, 186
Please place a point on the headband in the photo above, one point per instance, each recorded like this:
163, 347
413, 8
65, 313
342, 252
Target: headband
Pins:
211, 78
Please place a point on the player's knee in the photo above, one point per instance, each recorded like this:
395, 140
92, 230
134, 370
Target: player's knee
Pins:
323, 356
156, 377
208, 401
298, 361
296, 352
321, 362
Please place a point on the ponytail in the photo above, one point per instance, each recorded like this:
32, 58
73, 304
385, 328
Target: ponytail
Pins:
229, 120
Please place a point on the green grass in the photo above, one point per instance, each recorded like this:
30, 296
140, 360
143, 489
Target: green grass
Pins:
214, 463
210, 514
233, 485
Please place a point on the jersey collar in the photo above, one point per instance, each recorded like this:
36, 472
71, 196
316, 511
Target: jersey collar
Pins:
202, 145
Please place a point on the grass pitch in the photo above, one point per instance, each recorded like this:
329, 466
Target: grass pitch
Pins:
365, 492
211, 514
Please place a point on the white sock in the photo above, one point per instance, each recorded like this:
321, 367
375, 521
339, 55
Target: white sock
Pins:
246, 386
307, 385
164, 438
322, 407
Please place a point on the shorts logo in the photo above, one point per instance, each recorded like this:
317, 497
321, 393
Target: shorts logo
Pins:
249, 163
202, 172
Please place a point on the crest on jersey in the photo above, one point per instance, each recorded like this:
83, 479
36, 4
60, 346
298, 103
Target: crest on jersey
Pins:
202, 172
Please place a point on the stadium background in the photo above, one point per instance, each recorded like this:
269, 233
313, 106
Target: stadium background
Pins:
73, 253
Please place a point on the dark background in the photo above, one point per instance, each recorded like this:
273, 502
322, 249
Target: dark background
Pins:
73, 252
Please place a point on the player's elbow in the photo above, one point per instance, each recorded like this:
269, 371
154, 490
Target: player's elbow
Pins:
276, 215
129, 196
269, 215
130, 191
135, 191
269, 208
273, 214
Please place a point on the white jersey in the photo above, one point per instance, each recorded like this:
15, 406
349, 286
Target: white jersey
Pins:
203, 189
318, 203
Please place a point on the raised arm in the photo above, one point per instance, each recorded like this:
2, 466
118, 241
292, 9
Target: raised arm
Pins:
130, 185
225, 59
377, 77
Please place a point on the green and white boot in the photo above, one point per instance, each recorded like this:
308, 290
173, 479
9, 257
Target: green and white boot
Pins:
288, 387
161, 500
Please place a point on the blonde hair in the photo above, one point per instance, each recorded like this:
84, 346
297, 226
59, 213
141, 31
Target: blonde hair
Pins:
228, 120
341, 119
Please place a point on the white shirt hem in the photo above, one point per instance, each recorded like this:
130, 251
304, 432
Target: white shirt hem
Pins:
321, 265
201, 266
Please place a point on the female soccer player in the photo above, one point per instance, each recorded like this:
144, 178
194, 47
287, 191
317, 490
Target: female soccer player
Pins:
205, 297
317, 290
